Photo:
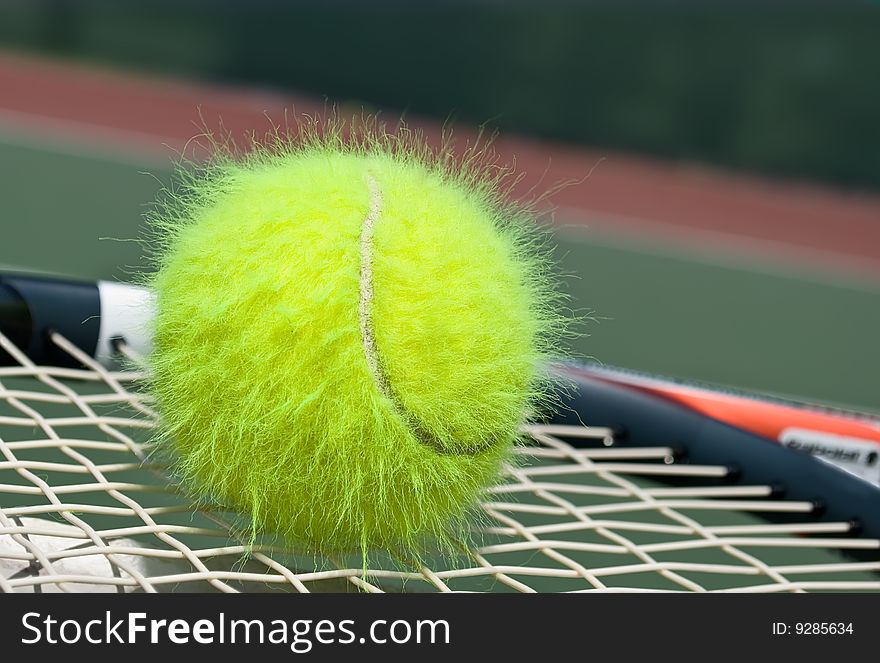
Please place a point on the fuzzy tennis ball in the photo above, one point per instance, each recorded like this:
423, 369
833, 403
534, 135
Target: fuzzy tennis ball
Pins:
347, 338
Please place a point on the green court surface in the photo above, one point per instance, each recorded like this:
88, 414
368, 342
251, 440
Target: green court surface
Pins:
76, 211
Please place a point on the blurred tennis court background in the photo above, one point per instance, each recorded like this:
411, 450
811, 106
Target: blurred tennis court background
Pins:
729, 229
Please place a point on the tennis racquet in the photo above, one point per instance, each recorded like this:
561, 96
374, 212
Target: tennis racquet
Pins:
636, 483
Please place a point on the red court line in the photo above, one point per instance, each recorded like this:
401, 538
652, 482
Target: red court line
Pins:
632, 192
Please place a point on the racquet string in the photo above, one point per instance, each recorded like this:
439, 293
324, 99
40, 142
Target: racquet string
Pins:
83, 508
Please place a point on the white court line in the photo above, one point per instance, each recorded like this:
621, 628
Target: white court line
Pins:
81, 139
634, 234
718, 249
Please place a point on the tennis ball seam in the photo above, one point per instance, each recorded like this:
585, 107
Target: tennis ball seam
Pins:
375, 363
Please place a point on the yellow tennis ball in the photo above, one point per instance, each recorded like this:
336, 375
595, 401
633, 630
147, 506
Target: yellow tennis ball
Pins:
347, 340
